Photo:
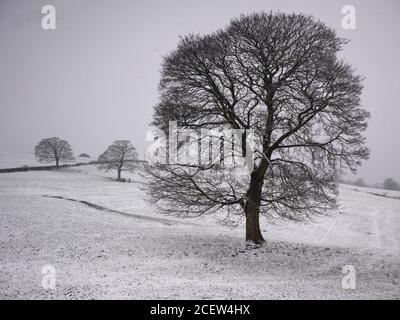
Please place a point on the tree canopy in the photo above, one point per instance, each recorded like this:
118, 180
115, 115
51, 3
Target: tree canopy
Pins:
54, 150
119, 156
277, 75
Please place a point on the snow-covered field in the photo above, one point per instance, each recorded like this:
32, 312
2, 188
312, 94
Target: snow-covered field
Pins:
131, 252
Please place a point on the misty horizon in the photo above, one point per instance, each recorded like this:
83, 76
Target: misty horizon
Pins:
94, 79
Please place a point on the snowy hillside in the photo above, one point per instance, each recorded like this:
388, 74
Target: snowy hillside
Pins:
113, 245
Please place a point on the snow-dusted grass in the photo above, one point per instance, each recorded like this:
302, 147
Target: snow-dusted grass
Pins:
103, 254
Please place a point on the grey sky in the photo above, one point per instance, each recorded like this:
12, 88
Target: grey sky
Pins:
94, 79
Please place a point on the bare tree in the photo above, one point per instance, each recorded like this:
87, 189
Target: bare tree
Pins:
54, 150
390, 184
278, 75
360, 182
120, 156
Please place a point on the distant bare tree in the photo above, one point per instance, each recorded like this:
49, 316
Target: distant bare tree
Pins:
390, 184
360, 183
119, 156
276, 74
54, 150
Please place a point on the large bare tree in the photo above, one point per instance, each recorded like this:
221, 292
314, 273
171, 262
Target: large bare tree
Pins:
119, 156
279, 76
54, 150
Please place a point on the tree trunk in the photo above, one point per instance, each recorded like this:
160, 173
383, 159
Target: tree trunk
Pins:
252, 208
57, 161
119, 173
253, 232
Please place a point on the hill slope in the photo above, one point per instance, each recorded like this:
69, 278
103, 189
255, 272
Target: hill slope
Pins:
131, 252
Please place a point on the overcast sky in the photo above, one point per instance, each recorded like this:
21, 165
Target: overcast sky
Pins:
94, 79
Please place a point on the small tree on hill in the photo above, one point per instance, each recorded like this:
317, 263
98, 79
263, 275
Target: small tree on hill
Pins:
54, 150
390, 184
360, 182
119, 156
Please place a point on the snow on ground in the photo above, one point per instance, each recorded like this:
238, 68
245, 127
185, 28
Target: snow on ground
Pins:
100, 254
